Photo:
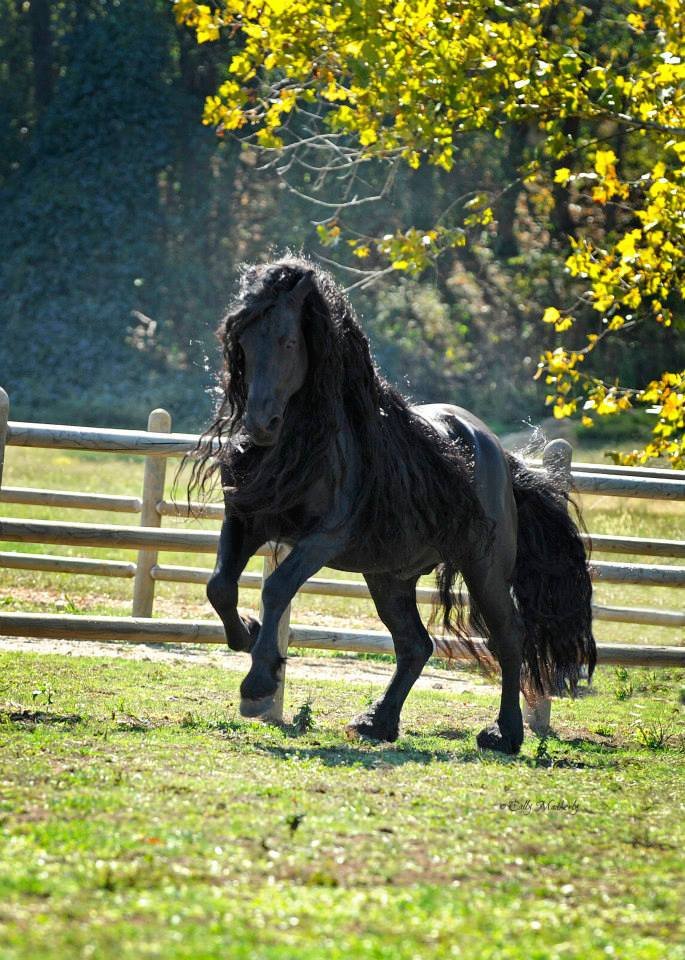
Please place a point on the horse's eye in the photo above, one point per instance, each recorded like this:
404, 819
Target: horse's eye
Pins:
289, 344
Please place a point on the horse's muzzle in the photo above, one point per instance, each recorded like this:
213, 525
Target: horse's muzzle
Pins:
263, 435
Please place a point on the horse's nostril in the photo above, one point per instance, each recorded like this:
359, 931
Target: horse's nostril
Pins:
273, 424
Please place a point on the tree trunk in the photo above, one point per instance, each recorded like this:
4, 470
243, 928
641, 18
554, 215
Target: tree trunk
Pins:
41, 47
506, 244
562, 222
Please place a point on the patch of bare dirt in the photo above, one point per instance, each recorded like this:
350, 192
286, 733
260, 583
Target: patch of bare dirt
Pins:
349, 667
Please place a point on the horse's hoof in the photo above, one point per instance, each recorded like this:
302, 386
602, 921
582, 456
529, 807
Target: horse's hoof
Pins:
259, 685
366, 728
253, 627
492, 738
244, 642
256, 708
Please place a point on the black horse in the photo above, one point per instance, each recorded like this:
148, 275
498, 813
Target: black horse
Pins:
316, 450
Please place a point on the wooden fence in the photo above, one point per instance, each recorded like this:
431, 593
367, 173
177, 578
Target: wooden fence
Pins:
149, 539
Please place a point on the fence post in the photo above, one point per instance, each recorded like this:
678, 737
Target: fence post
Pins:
275, 714
4, 417
159, 421
556, 460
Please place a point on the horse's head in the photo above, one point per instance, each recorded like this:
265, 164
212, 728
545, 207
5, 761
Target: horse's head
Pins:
275, 363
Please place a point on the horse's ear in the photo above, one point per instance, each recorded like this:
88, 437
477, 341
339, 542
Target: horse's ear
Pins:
302, 288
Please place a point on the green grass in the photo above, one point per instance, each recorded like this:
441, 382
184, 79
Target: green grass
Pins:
141, 817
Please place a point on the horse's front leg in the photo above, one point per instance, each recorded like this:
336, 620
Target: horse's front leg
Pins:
309, 555
236, 545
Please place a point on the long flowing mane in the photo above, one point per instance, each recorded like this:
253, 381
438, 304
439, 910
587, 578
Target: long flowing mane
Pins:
414, 481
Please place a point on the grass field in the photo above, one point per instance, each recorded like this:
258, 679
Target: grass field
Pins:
141, 817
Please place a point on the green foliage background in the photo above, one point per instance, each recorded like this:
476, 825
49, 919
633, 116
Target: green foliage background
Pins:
124, 221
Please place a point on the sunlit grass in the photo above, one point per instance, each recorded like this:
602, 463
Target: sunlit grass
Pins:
141, 817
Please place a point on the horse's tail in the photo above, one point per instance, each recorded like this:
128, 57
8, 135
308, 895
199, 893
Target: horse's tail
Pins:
551, 585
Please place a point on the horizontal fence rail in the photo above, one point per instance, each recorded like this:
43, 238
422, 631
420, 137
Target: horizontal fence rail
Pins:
59, 564
206, 541
651, 575
318, 586
643, 615
616, 470
641, 546
143, 630
620, 486
424, 595
68, 500
60, 437
204, 511
600, 543
587, 478
108, 535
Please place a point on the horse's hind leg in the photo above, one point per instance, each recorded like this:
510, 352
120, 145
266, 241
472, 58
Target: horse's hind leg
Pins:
395, 602
489, 589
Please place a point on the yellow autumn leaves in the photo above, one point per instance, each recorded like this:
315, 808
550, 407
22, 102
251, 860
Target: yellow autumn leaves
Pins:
639, 277
406, 79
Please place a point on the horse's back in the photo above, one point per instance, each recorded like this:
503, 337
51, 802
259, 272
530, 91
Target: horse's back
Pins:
491, 479
491, 474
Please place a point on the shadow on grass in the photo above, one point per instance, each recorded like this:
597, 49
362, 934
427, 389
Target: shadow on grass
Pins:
373, 754
34, 717
576, 753
573, 753
590, 743
372, 758
449, 733
460, 746
370, 754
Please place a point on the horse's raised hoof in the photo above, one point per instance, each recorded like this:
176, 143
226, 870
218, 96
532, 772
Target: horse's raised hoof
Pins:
367, 727
492, 738
242, 641
253, 709
253, 627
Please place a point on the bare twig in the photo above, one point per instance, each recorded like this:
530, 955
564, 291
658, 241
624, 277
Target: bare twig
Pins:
368, 281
